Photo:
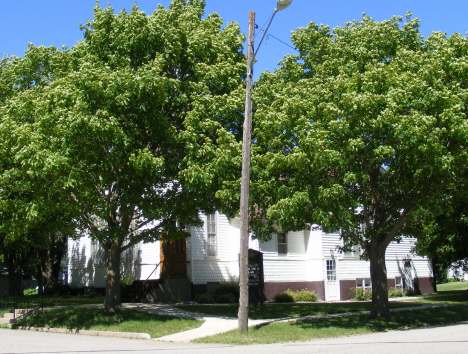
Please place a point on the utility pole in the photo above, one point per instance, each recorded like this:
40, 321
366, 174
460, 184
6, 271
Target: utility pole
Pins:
243, 319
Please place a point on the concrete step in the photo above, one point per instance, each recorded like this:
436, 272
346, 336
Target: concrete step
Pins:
4, 320
28, 312
8, 315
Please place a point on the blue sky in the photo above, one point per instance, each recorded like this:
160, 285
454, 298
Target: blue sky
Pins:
56, 22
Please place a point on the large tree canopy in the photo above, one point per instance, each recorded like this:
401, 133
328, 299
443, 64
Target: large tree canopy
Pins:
365, 131
112, 133
444, 238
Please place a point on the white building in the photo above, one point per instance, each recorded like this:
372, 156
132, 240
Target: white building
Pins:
307, 259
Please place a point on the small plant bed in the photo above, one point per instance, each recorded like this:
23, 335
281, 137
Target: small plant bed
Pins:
302, 330
272, 311
125, 321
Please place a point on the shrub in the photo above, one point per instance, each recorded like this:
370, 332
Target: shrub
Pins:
293, 296
361, 294
227, 288
204, 299
305, 295
393, 292
287, 296
226, 299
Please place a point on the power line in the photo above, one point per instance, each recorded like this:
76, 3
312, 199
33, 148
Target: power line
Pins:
270, 35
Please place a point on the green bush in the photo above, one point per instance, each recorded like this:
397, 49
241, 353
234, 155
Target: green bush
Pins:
393, 292
305, 295
360, 294
287, 296
204, 299
226, 299
227, 288
452, 280
293, 296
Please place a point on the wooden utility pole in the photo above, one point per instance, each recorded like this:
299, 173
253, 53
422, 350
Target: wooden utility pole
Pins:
243, 319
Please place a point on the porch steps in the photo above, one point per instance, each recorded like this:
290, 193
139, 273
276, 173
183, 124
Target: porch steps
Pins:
9, 318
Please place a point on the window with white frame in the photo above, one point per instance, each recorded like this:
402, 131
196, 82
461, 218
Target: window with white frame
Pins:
282, 244
399, 283
363, 283
211, 234
331, 270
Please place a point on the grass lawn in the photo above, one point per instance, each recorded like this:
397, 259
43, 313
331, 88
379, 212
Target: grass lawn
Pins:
452, 286
302, 330
272, 310
125, 321
32, 301
449, 293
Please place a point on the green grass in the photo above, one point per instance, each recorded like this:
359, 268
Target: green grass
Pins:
31, 301
125, 321
448, 293
272, 311
302, 330
453, 286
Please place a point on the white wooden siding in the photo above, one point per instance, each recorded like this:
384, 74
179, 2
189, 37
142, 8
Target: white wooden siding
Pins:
269, 248
150, 256
284, 270
204, 271
350, 269
296, 243
329, 243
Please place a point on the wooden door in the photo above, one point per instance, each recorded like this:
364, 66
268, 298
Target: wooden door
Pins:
173, 258
332, 285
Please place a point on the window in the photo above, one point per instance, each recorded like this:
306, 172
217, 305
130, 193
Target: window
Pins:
355, 252
398, 283
97, 253
331, 270
211, 234
282, 244
363, 283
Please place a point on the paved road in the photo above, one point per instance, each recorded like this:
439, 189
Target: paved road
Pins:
446, 339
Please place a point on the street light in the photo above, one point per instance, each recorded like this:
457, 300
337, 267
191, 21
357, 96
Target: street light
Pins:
242, 315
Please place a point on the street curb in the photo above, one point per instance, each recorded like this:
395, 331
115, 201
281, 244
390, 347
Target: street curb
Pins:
87, 332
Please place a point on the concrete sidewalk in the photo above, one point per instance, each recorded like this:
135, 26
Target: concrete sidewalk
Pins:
212, 325
218, 324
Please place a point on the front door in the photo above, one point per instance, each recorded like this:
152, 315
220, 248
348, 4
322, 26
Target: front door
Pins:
332, 285
408, 276
173, 258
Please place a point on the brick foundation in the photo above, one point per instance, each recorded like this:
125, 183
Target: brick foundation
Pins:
271, 289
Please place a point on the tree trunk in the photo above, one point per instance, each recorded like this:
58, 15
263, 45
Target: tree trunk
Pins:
13, 262
112, 303
50, 261
434, 273
379, 283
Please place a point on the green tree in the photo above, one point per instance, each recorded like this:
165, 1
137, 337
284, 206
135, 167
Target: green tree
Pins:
364, 131
113, 132
444, 238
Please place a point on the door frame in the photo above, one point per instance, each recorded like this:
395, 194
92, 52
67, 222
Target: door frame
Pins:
330, 273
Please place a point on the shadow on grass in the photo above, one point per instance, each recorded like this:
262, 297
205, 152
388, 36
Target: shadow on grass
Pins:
453, 296
272, 311
399, 320
86, 318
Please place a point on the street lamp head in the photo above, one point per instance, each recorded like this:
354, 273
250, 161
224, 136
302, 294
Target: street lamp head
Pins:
282, 4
